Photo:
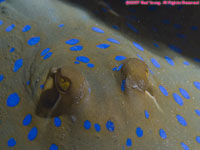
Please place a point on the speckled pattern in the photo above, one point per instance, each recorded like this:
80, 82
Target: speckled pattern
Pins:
81, 76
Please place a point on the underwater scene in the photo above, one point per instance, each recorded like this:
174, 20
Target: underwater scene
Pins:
99, 75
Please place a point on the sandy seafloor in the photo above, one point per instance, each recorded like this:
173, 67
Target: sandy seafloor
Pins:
165, 38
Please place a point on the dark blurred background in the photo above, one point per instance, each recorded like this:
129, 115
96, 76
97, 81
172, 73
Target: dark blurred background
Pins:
177, 27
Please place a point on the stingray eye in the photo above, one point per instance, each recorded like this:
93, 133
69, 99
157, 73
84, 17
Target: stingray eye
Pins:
62, 83
65, 86
136, 74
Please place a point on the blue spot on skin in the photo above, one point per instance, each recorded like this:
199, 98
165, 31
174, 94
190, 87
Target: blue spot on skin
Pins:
61, 25
83, 59
10, 28
123, 85
174, 48
32, 134
114, 69
97, 30
27, 120
186, 63
197, 84
162, 133
72, 41
76, 48
146, 114
57, 122
42, 86
140, 57
179, 35
177, 26
28, 83
120, 58
184, 146
163, 90
139, 132
12, 50
1, 77
90, 65
197, 60
53, 147
197, 111
97, 127
169, 60
11, 142
198, 139
115, 27
184, 93
26, 28
13, 100
110, 126
104, 10
120, 67
128, 142
33, 41
76, 62
151, 72
87, 125
165, 21
155, 63
156, 45
194, 28
178, 99
132, 27
113, 41
18, 64
1, 22
44, 51
103, 46
181, 120
138, 46
48, 55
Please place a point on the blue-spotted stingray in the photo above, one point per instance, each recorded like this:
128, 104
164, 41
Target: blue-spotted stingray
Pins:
88, 76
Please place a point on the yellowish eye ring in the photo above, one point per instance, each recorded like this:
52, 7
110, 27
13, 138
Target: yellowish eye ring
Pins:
62, 83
